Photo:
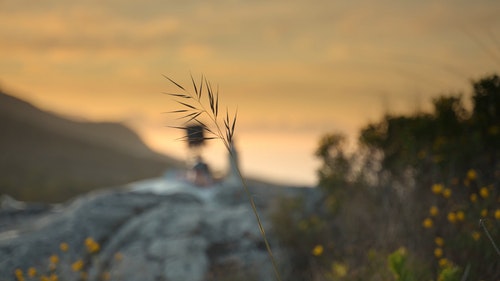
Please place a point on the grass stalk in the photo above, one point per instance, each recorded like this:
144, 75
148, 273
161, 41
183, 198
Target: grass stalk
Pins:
193, 109
481, 223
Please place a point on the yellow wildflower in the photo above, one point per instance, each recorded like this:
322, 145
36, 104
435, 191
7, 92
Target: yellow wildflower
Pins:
439, 241
443, 262
64, 246
438, 252
446, 193
44, 278
92, 245
476, 235
54, 259
437, 188
484, 192
427, 223
497, 214
473, 197
471, 174
484, 213
433, 211
452, 217
460, 215
77, 265
19, 274
317, 250
31, 272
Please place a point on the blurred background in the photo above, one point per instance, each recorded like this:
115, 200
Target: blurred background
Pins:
390, 108
295, 70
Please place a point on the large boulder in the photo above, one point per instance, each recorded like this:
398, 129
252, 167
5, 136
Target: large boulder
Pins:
143, 234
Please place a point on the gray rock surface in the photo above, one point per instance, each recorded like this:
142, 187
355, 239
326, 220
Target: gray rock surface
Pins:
147, 236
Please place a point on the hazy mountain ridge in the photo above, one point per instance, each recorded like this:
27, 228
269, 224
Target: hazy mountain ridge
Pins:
47, 157
110, 134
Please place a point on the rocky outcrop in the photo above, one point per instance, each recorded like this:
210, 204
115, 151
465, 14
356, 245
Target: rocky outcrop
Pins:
182, 234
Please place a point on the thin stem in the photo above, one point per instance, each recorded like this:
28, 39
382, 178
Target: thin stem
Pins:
259, 222
481, 223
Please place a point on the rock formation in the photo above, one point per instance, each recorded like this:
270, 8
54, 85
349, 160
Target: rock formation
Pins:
140, 233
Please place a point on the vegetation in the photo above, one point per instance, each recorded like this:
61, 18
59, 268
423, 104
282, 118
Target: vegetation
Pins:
52, 270
407, 204
417, 201
195, 110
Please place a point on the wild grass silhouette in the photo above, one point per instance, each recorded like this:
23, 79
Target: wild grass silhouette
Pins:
194, 109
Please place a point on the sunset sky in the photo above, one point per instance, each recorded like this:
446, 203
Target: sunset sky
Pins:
295, 69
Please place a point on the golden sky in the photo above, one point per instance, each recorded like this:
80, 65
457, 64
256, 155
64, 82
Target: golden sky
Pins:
294, 69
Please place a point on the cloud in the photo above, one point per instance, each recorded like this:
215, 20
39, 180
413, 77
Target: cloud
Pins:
194, 52
83, 33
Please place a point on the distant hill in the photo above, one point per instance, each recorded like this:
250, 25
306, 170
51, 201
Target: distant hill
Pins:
45, 157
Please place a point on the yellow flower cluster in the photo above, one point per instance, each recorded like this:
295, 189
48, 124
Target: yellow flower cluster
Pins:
433, 211
64, 246
461, 214
443, 262
454, 217
484, 192
19, 274
447, 193
92, 245
31, 272
54, 260
437, 188
438, 252
77, 265
317, 250
439, 241
427, 223
473, 197
471, 174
